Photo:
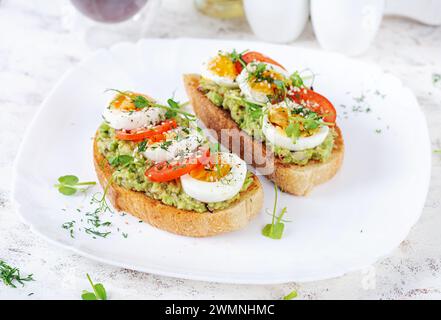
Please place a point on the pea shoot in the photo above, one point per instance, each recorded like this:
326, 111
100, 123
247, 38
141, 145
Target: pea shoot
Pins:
237, 57
291, 295
121, 160
173, 108
275, 229
99, 292
70, 184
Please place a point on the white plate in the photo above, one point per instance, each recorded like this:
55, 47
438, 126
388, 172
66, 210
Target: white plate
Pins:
345, 225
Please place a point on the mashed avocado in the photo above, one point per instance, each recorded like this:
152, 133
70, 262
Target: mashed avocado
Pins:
131, 176
249, 120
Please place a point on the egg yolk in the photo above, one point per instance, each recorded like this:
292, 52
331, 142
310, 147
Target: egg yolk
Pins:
266, 86
279, 117
222, 66
124, 102
212, 174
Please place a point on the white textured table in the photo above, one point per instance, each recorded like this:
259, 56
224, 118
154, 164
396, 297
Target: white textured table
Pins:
35, 50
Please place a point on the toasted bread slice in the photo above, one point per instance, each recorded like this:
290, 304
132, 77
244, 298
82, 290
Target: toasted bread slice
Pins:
295, 179
171, 219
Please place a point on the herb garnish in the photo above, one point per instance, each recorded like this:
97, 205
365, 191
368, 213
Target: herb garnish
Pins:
142, 146
275, 229
70, 184
297, 80
121, 160
103, 207
173, 108
237, 57
164, 145
70, 227
99, 292
9, 275
436, 79
215, 149
291, 295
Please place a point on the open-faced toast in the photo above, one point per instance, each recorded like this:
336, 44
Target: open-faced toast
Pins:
292, 178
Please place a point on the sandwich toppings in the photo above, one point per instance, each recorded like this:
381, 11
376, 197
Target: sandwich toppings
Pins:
270, 104
171, 159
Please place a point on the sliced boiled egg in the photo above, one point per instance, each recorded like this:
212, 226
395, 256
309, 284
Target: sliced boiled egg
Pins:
275, 122
122, 114
178, 143
222, 70
219, 182
258, 86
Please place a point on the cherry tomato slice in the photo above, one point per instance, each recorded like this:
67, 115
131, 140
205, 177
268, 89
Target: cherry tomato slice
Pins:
156, 138
168, 171
316, 102
255, 56
141, 134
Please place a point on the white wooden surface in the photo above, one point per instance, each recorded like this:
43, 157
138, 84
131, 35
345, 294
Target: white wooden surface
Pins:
36, 49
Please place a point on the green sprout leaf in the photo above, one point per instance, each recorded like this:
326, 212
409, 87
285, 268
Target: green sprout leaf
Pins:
67, 191
291, 295
88, 296
121, 160
276, 228
69, 180
293, 131
141, 102
70, 184
99, 292
297, 80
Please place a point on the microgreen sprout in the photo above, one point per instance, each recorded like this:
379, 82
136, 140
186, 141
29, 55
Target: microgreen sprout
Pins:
237, 57
173, 108
291, 295
99, 292
70, 184
275, 229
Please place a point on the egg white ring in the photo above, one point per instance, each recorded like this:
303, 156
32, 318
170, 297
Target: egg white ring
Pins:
302, 143
247, 91
224, 189
129, 120
177, 148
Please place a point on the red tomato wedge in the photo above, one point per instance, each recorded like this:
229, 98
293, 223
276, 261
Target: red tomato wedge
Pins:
168, 171
141, 134
317, 103
255, 56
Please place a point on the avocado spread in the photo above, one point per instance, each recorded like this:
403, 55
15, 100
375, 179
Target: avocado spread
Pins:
249, 119
131, 175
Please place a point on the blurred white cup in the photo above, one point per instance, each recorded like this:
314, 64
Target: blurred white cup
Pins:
277, 20
346, 26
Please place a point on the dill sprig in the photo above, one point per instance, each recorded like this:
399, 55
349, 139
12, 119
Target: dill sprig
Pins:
9, 275
102, 207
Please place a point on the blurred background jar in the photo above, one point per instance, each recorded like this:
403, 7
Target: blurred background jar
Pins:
221, 9
280, 21
346, 26
101, 23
